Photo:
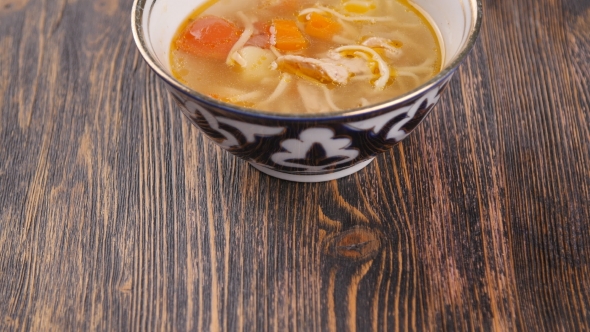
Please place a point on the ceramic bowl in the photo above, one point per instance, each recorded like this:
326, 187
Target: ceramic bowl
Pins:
300, 147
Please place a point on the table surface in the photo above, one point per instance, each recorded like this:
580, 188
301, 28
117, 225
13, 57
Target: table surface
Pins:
117, 215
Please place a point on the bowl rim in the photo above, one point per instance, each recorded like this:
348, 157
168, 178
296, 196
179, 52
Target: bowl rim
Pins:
136, 26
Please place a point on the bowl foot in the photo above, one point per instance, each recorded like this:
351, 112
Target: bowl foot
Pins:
312, 178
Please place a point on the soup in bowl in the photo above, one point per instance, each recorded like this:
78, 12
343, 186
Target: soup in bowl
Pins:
306, 90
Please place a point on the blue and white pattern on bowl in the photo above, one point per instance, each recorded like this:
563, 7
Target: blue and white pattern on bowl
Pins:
314, 148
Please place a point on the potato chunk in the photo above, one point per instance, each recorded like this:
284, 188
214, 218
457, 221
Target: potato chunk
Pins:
258, 63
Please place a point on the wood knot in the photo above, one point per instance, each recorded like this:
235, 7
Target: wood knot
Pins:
126, 287
9, 322
8, 6
357, 244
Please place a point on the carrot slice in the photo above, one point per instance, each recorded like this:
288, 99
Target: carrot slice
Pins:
287, 36
322, 27
209, 36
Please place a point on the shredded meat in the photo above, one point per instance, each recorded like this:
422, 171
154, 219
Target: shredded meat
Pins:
325, 71
355, 65
391, 51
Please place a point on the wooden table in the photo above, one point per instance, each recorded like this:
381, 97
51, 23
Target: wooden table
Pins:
117, 215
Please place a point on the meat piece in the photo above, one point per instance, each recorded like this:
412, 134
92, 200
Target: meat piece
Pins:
325, 71
391, 51
369, 54
260, 36
356, 65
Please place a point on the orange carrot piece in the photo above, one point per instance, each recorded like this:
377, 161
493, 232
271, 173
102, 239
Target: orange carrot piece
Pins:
209, 36
287, 36
322, 27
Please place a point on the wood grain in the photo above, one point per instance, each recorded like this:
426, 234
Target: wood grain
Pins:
116, 214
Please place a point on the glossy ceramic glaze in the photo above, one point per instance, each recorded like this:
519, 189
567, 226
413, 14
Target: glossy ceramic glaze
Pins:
303, 147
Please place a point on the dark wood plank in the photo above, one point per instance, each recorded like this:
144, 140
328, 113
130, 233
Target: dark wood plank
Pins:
116, 214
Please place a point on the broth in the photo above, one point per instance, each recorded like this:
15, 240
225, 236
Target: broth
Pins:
301, 56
